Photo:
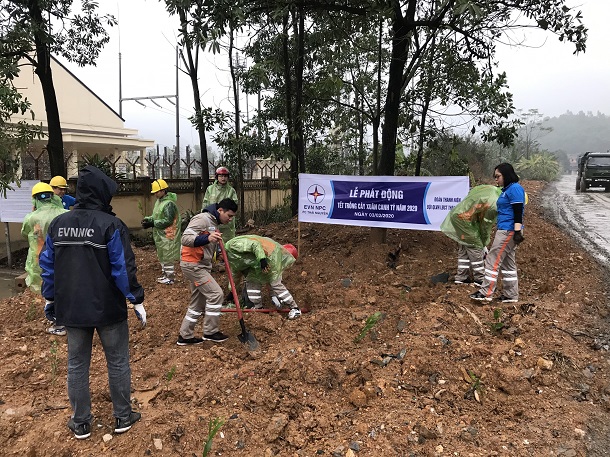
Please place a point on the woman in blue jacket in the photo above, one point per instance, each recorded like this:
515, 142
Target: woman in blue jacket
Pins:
502, 255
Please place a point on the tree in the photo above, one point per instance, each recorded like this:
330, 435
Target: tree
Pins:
13, 136
192, 17
531, 130
480, 24
31, 31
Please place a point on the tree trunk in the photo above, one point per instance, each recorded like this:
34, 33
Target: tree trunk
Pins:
298, 165
294, 171
400, 47
298, 111
191, 68
392, 103
240, 158
360, 123
377, 117
55, 145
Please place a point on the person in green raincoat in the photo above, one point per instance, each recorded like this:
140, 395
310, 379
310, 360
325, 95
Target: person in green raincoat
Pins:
166, 224
470, 223
47, 206
262, 261
217, 191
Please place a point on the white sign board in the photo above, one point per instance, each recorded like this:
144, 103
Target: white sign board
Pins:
404, 202
18, 202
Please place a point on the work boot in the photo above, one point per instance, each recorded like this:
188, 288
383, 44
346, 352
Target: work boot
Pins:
122, 425
58, 330
188, 341
217, 337
81, 431
478, 296
294, 313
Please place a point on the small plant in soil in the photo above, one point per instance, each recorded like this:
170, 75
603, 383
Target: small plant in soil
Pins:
476, 387
32, 311
497, 325
371, 321
170, 374
213, 428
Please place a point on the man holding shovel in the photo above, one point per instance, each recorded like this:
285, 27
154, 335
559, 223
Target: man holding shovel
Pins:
199, 242
262, 261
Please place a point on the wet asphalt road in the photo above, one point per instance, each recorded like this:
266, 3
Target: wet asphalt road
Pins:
586, 215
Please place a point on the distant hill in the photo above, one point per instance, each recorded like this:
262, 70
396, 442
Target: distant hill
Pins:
576, 133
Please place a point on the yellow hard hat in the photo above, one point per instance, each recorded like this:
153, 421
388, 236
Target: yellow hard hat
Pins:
58, 181
40, 188
157, 185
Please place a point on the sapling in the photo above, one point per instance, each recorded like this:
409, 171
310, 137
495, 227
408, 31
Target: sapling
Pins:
170, 374
368, 325
497, 325
213, 427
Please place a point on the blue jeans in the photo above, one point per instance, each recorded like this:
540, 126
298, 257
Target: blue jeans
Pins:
115, 341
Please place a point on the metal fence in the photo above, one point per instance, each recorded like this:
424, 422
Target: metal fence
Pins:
165, 165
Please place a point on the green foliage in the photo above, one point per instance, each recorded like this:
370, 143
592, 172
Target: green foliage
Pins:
329, 160
103, 163
15, 136
369, 67
78, 34
371, 321
280, 213
497, 325
170, 373
543, 167
213, 428
30, 33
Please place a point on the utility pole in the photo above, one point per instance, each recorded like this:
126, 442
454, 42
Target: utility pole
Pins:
153, 98
120, 88
177, 109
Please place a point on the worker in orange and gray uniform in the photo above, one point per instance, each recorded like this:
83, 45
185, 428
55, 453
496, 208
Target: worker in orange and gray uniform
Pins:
198, 246
166, 224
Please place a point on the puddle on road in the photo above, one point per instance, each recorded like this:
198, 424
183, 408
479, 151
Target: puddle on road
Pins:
583, 214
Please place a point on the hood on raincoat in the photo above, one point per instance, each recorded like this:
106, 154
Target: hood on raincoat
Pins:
55, 200
94, 190
213, 210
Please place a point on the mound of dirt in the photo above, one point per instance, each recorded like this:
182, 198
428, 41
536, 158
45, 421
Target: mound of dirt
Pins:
386, 362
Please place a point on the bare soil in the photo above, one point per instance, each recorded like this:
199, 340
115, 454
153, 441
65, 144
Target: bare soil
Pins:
437, 375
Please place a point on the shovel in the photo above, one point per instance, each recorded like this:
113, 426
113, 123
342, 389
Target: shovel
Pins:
245, 336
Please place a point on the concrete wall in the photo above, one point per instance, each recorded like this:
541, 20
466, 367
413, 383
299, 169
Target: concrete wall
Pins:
132, 208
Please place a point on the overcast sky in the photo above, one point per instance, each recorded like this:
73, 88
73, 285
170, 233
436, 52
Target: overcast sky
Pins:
545, 76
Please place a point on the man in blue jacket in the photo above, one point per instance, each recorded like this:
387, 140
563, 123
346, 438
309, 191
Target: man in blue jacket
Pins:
90, 247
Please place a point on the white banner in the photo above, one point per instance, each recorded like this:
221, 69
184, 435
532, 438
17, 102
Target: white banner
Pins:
404, 202
18, 202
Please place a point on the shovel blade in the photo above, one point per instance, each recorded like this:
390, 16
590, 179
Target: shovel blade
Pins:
249, 340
